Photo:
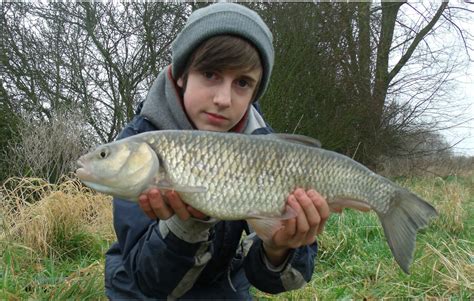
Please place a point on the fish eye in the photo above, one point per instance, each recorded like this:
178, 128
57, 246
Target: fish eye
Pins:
103, 153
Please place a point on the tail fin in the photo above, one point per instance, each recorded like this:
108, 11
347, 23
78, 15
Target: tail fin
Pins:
408, 213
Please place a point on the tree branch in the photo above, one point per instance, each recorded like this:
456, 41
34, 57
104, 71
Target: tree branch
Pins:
418, 38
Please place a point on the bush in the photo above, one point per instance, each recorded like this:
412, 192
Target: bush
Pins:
48, 149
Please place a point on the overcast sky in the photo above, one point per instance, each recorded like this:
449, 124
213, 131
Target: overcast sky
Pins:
465, 92
461, 98
464, 132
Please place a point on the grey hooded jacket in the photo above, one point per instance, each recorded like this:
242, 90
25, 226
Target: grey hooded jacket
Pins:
172, 259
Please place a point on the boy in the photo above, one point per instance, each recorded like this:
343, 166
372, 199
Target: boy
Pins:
222, 61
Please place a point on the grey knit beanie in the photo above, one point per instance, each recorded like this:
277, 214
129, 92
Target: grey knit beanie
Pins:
221, 19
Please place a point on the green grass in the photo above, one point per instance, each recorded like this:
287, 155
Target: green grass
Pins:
355, 262
53, 244
53, 248
27, 275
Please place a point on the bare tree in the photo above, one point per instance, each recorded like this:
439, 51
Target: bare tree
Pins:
364, 78
99, 58
368, 75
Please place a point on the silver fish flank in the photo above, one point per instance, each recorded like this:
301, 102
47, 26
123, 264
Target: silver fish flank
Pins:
235, 176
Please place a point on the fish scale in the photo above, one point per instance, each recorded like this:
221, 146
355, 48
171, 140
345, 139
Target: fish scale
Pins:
212, 159
234, 176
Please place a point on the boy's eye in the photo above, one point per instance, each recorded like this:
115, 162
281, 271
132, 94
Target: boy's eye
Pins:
209, 74
243, 83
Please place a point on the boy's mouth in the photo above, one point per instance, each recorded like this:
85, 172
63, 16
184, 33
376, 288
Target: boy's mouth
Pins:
215, 118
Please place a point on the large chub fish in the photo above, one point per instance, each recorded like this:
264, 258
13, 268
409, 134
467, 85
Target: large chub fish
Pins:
235, 176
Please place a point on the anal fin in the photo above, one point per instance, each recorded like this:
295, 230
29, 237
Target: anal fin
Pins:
337, 205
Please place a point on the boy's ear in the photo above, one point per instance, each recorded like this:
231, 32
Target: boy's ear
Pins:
180, 82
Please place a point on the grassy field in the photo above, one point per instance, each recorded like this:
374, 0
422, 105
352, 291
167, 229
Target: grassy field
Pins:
53, 239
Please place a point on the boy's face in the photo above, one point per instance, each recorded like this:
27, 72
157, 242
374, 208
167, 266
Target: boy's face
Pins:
217, 100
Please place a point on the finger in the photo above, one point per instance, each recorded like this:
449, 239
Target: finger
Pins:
313, 217
144, 203
311, 235
302, 226
158, 205
196, 213
323, 209
290, 224
320, 203
322, 206
283, 236
178, 206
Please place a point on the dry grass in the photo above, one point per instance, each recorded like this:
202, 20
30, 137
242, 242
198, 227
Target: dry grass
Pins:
452, 199
43, 222
427, 166
453, 266
47, 217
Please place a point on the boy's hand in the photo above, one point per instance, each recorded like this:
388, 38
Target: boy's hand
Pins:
312, 212
156, 206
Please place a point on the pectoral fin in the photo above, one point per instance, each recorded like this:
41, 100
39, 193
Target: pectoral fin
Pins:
266, 227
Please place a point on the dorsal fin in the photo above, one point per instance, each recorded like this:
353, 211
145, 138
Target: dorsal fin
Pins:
300, 139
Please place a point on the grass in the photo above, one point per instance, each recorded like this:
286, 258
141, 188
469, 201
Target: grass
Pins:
355, 261
53, 240
54, 237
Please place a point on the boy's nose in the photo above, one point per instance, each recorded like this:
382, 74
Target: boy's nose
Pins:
223, 96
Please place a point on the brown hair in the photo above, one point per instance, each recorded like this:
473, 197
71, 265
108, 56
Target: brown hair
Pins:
224, 52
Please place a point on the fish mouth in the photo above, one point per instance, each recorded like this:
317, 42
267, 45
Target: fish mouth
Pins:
81, 171
80, 163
